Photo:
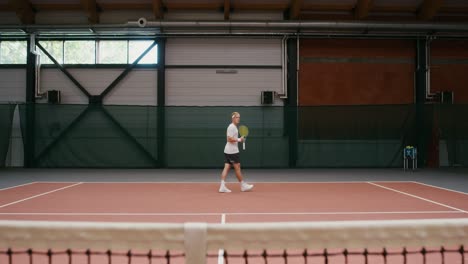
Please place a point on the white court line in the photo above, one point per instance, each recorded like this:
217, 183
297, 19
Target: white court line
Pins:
17, 186
221, 251
217, 182
445, 189
32, 197
225, 214
418, 197
223, 218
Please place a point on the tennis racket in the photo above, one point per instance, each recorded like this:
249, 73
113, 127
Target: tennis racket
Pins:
244, 132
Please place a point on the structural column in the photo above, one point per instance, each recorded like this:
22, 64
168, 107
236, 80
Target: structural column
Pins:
291, 106
423, 113
29, 130
161, 91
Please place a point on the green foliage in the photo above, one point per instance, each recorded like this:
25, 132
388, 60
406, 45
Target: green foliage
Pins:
80, 52
113, 51
54, 48
13, 52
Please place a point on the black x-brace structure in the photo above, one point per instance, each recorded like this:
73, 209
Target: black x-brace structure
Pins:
95, 104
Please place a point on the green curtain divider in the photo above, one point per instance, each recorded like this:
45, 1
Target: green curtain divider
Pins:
87, 136
453, 131
6, 122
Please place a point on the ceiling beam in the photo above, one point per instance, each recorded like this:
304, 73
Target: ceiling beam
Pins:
451, 19
5, 8
90, 7
232, 6
158, 9
295, 8
454, 9
58, 7
327, 7
193, 6
252, 5
24, 10
429, 9
227, 9
125, 6
350, 17
395, 9
363, 8
326, 17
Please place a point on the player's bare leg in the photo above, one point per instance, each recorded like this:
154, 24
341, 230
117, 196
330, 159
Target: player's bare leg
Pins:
223, 188
244, 186
225, 172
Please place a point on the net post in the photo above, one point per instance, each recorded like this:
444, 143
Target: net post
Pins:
195, 243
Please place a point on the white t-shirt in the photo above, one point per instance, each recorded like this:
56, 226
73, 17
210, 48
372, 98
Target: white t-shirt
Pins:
231, 147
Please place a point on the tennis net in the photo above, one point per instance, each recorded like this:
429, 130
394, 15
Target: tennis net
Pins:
372, 242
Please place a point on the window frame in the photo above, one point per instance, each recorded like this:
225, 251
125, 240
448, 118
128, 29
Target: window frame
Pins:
97, 65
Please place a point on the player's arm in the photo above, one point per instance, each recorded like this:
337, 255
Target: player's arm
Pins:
233, 139
231, 135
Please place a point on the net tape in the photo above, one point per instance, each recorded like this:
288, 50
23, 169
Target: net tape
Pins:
196, 239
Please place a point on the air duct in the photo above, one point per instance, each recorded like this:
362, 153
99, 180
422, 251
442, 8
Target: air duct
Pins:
279, 28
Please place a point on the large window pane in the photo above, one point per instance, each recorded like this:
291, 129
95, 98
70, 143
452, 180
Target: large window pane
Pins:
80, 52
113, 51
137, 47
54, 48
13, 52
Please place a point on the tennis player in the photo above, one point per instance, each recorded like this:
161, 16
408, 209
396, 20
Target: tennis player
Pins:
231, 156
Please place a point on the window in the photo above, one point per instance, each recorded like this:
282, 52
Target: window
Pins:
137, 47
13, 52
80, 52
54, 48
108, 51
111, 51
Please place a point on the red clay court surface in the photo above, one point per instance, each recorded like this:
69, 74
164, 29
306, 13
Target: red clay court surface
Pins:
200, 202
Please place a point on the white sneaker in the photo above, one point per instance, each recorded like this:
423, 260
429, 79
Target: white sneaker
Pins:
224, 189
246, 187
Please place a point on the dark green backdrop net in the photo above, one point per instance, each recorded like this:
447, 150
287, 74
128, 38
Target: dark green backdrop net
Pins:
194, 137
6, 121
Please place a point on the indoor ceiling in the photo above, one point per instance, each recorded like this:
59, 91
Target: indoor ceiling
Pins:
433, 11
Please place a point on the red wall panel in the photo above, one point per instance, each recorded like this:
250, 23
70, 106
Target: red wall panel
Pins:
356, 72
449, 68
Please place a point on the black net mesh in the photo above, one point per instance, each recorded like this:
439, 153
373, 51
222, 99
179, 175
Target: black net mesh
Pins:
454, 132
418, 241
403, 255
430, 255
194, 137
354, 136
6, 121
93, 136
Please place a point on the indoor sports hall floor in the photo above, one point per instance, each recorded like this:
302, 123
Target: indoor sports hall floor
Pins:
280, 195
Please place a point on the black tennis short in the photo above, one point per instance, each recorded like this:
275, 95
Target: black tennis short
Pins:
231, 158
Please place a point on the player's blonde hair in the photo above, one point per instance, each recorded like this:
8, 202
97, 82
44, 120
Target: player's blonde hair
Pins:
234, 114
